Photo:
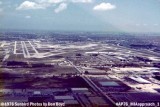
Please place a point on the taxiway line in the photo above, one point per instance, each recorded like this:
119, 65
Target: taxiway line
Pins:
33, 48
24, 53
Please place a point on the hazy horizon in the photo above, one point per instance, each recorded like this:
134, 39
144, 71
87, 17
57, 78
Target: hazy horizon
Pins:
81, 15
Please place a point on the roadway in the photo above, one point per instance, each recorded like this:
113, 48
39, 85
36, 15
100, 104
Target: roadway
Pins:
93, 85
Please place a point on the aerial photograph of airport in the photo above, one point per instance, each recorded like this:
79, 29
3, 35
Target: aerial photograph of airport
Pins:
79, 53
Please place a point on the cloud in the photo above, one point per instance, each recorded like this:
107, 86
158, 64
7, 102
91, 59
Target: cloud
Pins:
38, 4
61, 7
1, 10
50, 1
156, 24
43, 4
137, 24
27, 17
26, 5
104, 7
55, 1
81, 1
60, 1
145, 24
0, 2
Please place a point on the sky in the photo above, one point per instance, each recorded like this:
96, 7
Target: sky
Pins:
81, 15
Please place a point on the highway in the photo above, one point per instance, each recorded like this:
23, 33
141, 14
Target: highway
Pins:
93, 85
